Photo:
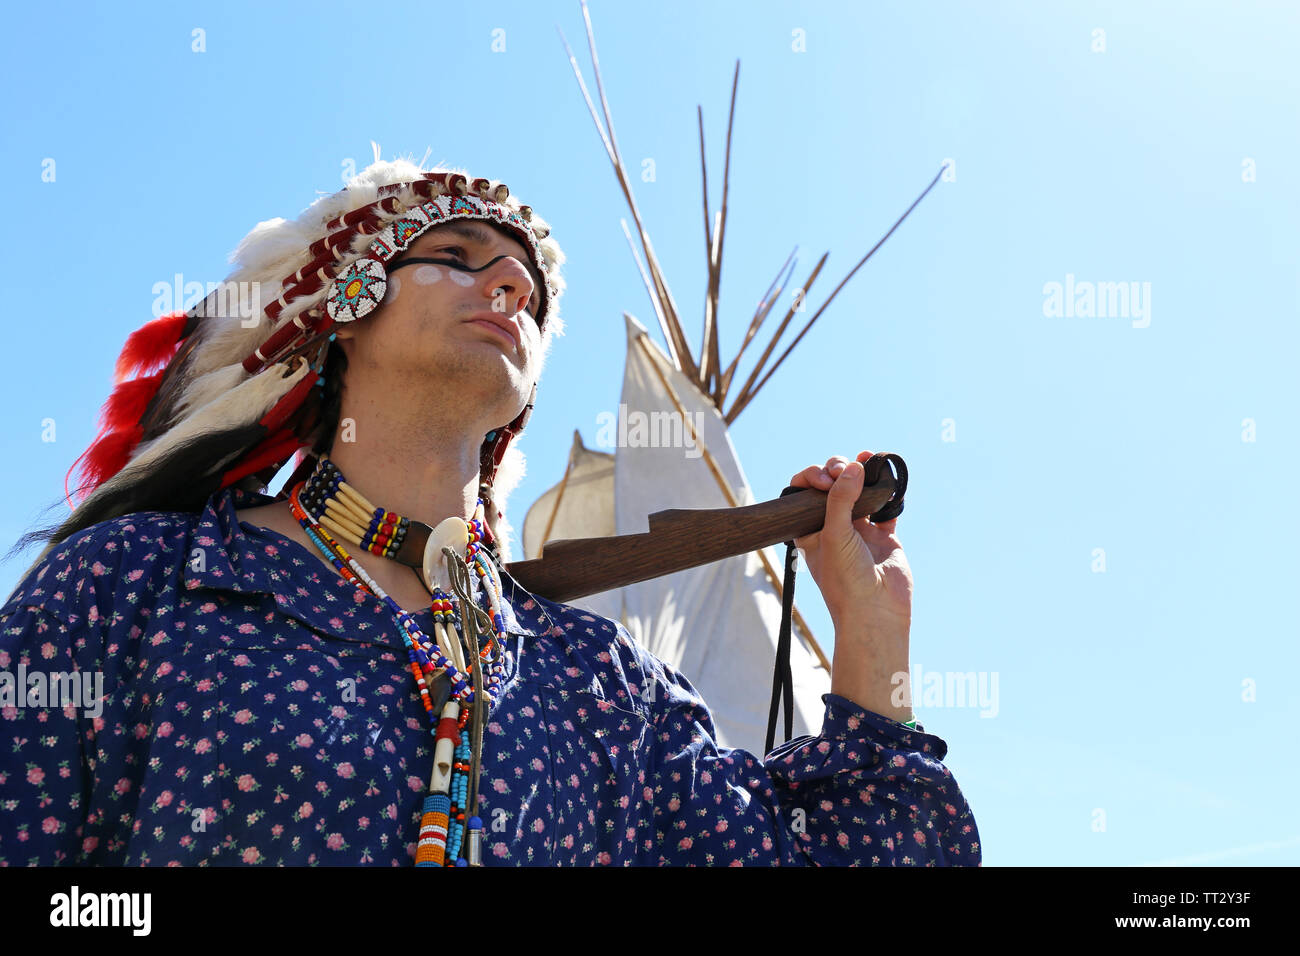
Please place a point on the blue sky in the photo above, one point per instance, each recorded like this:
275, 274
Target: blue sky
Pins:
1143, 709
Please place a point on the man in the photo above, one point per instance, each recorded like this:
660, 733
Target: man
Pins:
271, 685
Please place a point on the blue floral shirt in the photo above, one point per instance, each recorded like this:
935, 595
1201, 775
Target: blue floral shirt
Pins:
187, 689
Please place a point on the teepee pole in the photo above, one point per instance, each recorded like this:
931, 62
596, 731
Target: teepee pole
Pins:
715, 362
745, 390
708, 252
760, 315
610, 141
654, 300
710, 363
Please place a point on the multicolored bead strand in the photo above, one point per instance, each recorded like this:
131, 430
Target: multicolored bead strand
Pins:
430, 850
459, 790
417, 644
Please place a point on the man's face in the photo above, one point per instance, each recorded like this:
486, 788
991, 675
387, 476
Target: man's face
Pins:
475, 328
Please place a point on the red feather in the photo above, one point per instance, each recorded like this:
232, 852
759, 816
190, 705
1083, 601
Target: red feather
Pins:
151, 346
126, 405
106, 457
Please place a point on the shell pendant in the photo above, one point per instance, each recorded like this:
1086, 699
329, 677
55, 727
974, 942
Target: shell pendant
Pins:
451, 533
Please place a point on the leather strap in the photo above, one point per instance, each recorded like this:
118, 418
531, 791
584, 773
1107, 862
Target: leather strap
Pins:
782, 675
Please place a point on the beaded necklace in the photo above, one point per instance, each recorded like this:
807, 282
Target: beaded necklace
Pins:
449, 667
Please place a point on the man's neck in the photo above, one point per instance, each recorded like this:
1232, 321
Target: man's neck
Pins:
427, 472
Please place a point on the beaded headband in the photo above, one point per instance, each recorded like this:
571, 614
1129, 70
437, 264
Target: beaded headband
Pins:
360, 289
356, 287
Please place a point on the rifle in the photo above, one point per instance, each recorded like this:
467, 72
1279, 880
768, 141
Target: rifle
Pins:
683, 538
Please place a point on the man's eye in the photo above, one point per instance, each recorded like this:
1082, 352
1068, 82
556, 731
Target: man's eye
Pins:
458, 252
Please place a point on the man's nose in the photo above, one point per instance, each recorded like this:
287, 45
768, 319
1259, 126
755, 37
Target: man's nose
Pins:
508, 282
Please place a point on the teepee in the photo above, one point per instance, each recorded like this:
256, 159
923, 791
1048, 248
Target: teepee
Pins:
717, 624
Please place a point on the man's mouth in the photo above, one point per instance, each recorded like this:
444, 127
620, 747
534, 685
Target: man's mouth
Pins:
499, 325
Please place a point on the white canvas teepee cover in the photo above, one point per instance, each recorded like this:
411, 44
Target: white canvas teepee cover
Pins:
580, 506
717, 624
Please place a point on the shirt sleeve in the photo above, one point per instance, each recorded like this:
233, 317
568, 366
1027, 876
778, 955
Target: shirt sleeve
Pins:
866, 791
42, 763
54, 702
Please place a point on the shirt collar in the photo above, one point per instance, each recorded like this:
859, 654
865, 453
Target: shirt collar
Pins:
227, 555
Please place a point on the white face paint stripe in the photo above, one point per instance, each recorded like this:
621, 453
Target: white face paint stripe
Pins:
426, 275
461, 279
394, 287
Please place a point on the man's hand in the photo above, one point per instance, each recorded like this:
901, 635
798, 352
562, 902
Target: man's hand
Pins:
867, 584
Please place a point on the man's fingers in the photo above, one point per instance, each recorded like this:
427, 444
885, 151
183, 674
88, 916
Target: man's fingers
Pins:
813, 476
825, 476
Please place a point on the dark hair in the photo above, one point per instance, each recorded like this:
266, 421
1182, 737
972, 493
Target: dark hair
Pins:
331, 403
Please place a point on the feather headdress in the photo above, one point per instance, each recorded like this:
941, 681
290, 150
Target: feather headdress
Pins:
215, 397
